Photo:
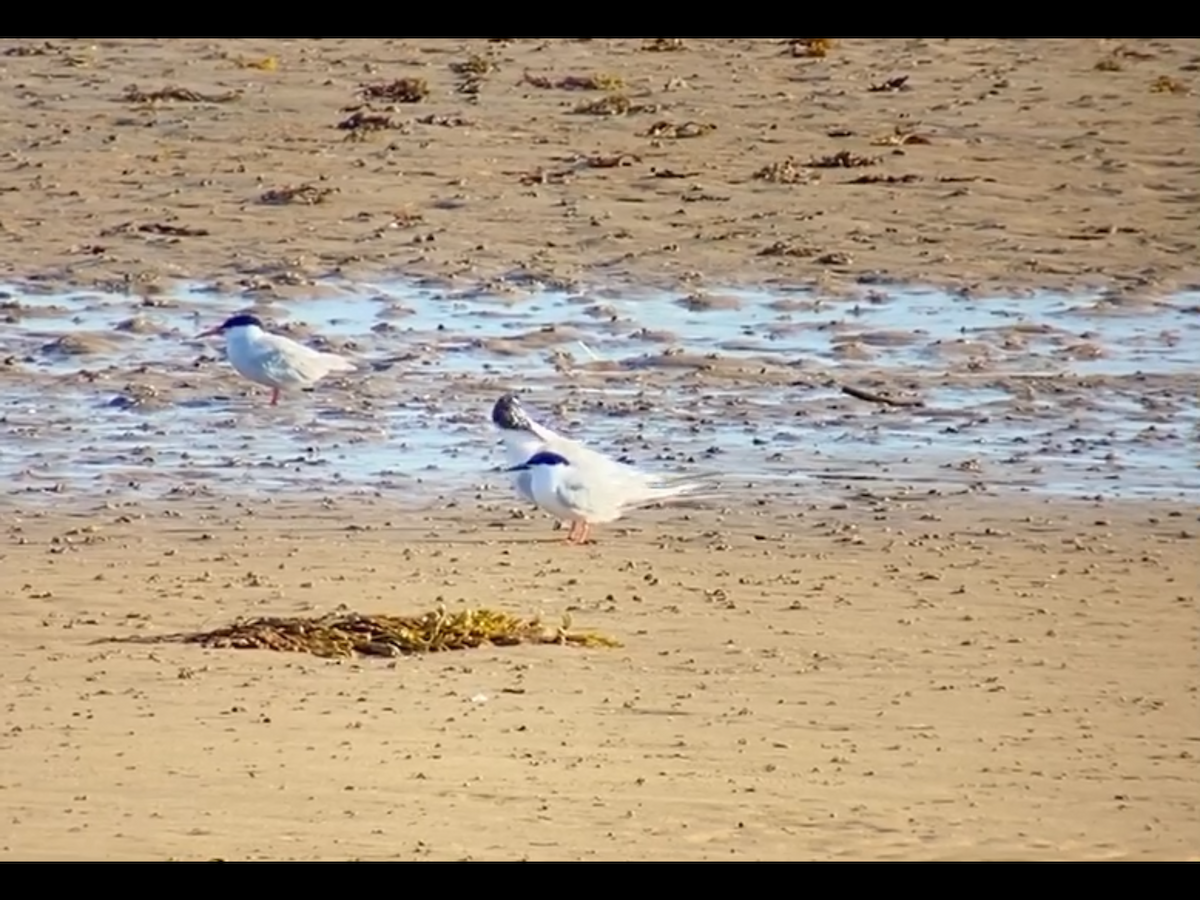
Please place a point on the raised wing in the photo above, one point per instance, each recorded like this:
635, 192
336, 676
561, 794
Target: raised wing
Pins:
519, 446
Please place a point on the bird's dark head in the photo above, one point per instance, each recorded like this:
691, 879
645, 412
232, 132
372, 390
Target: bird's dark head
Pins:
241, 320
508, 415
541, 458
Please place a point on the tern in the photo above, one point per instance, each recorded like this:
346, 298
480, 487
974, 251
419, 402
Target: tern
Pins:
273, 360
583, 495
577, 484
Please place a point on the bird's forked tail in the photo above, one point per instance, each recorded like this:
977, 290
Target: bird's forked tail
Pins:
677, 488
337, 363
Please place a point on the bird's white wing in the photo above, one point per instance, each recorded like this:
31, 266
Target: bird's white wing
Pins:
633, 486
580, 494
582, 455
626, 488
546, 434
519, 446
285, 359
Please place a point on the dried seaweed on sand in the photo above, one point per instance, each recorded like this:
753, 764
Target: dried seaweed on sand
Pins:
344, 634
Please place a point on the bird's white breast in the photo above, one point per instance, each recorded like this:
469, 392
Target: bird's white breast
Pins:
243, 346
544, 484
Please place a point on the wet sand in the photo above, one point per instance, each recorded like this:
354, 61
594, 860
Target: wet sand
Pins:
952, 616
775, 387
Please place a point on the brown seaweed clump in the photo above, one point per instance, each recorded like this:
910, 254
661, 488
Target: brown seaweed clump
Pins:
306, 194
811, 48
597, 81
362, 122
344, 634
177, 95
1165, 84
785, 172
474, 65
401, 90
686, 130
664, 45
608, 105
843, 159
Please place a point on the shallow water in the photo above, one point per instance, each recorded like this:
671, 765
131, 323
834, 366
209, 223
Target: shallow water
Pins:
1084, 395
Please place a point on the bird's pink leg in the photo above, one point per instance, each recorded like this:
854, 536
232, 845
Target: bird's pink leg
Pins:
584, 533
579, 533
274, 396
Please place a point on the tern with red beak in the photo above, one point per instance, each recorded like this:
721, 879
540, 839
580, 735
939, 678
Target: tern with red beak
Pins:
272, 359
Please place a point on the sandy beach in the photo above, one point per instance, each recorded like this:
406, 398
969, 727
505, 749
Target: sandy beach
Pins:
949, 614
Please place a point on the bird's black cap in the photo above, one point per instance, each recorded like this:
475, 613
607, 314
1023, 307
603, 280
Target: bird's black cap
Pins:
241, 320
508, 414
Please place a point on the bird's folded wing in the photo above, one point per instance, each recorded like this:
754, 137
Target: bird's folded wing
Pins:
283, 357
577, 496
273, 364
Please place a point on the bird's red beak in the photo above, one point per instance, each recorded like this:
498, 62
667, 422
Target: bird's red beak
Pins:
209, 333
